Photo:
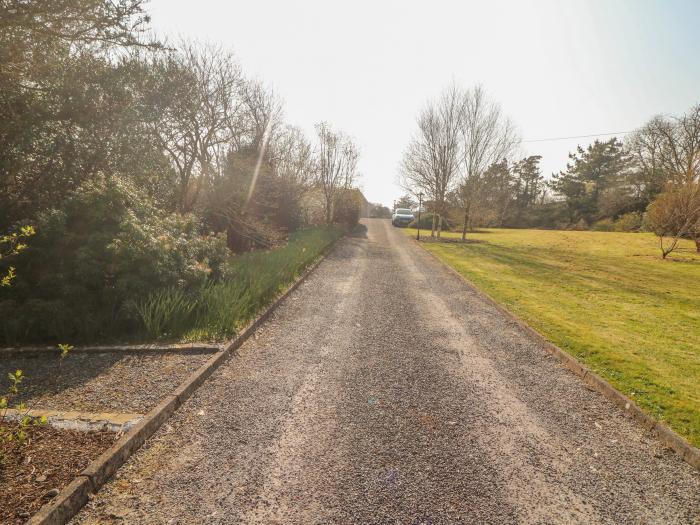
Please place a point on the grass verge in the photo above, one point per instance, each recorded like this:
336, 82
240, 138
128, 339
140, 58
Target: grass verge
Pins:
217, 310
606, 298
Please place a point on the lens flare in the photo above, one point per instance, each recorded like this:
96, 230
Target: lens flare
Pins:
261, 154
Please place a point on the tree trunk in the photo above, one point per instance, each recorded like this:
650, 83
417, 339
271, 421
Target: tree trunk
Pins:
432, 230
697, 244
329, 211
439, 225
465, 221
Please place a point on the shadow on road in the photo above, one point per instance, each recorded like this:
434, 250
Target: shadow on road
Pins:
359, 231
450, 240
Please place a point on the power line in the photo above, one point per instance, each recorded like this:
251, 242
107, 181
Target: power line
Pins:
579, 136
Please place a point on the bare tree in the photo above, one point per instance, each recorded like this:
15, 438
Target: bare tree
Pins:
201, 117
292, 155
681, 146
646, 147
245, 184
292, 159
667, 151
431, 160
336, 165
488, 137
262, 114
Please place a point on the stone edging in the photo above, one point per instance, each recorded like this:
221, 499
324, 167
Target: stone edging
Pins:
29, 351
668, 437
74, 496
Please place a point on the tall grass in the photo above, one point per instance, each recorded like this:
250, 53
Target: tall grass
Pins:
218, 309
167, 312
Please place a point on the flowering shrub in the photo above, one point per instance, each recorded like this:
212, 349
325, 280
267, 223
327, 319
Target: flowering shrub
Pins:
94, 256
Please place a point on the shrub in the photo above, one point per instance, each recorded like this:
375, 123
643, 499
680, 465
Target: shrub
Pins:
346, 209
377, 211
581, 225
216, 310
426, 222
604, 225
11, 245
629, 222
675, 214
95, 257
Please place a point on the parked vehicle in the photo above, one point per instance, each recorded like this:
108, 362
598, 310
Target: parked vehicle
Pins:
402, 217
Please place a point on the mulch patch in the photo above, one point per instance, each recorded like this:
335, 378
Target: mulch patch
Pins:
49, 459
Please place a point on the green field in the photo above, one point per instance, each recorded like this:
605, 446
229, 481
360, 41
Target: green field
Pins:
606, 298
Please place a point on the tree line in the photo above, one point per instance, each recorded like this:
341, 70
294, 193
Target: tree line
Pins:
463, 158
87, 94
129, 163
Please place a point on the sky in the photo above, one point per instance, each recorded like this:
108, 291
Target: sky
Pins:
558, 68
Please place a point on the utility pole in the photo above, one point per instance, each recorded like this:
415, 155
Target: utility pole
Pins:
420, 205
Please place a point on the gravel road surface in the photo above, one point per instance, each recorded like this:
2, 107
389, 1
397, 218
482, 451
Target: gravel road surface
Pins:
385, 391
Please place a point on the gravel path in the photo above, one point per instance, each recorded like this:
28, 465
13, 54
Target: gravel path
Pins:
385, 391
108, 382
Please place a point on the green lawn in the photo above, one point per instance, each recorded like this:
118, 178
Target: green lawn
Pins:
606, 298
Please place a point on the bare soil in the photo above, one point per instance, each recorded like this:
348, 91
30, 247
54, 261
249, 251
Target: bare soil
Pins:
48, 460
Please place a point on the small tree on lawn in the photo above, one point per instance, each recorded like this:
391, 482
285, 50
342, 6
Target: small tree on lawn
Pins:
675, 214
431, 161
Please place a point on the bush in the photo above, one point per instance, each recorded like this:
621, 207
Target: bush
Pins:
675, 214
377, 211
604, 225
426, 222
216, 310
629, 222
94, 258
347, 207
580, 226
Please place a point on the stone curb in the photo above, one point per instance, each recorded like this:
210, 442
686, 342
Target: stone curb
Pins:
66, 504
31, 351
73, 497
668, 437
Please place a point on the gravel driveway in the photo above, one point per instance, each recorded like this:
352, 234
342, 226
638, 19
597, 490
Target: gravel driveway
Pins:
385, 391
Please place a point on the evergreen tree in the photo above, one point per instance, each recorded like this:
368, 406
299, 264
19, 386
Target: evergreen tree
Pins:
528, 184
592, 173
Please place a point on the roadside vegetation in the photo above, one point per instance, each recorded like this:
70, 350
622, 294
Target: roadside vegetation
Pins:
215, 310
149, 190
136, 174
608, 299
464, 159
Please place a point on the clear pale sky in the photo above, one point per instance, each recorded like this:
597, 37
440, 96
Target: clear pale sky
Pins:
559, 68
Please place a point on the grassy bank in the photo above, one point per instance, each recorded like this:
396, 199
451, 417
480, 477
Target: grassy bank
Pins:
217, 310
606, 298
